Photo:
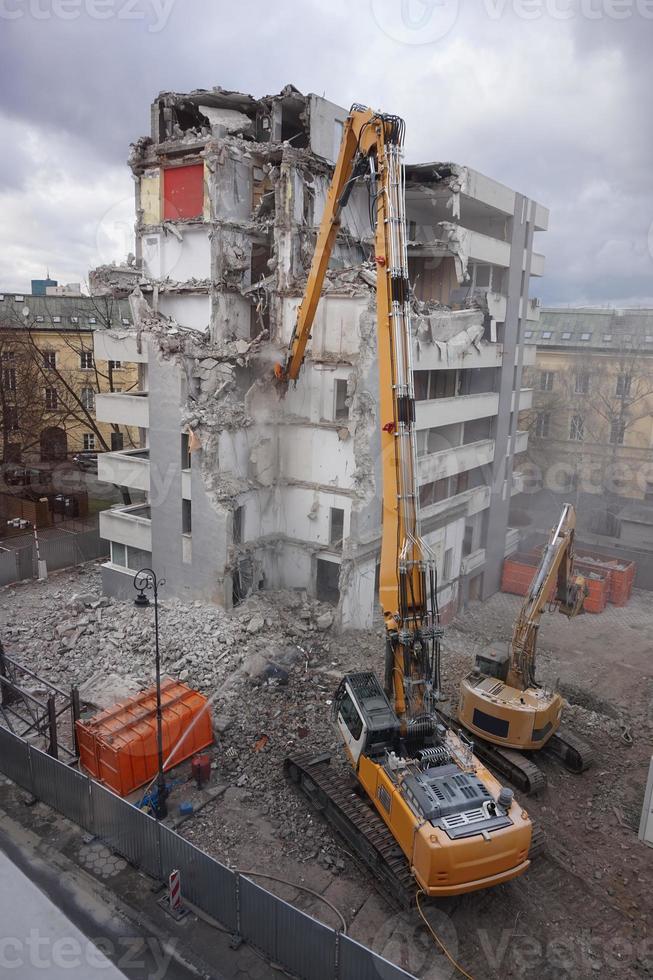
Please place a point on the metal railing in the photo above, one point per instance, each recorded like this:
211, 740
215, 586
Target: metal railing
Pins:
284, 934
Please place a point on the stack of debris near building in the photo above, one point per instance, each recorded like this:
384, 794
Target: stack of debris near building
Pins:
247, 489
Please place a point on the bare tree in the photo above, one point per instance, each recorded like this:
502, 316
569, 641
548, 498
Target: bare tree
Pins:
593, 407
58, 393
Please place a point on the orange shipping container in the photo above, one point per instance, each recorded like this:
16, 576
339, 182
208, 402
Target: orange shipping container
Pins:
119, 747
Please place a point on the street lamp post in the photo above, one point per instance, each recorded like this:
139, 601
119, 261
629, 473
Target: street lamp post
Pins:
145, 581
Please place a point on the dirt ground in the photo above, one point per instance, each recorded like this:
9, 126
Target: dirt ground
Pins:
582, 909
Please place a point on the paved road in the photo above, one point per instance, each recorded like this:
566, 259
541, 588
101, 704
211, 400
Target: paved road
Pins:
51, 928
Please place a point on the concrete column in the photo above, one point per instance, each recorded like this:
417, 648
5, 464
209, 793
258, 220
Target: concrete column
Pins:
522, 238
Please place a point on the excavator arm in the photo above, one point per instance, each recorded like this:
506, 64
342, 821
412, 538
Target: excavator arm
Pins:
372, 144
556, 566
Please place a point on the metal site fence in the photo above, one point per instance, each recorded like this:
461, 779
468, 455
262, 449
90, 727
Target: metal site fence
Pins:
302, 945
58, 548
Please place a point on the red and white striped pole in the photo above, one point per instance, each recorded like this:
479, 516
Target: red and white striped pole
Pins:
174, 891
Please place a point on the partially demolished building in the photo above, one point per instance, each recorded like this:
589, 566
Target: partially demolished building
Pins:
246, 489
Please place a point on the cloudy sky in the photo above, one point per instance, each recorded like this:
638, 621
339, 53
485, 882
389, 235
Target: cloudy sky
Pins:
548, 96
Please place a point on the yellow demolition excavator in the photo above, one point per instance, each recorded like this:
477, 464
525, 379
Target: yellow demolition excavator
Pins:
501, 703
424, 813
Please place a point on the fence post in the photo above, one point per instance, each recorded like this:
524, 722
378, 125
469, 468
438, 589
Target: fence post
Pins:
32, 785
53, 746
237, 938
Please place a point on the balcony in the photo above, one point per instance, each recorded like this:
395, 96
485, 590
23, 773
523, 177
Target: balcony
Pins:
525, 400
128, 525
530, 309
462, 408
512, 541
528, 355
427, 357
449, 462
537, 264
126, 468
474, 501
185, 484
517, 484
521, 441
119, 345
472, 561
123, 408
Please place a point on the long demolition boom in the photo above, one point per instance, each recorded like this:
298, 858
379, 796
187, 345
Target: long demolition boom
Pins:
556, 565
372, 146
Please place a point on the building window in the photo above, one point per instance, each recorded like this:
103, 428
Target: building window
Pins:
623, 384
8, 355
546, 335
118, 554
56, 319
577, 428
51, 400
586, 336
582, 383
617, 432
117, 441
447, 566
125, 321
19, 297
50, 359
88, 399
92, 319
86, 360
185, 451
74, 319
239, 524
39, 318
336, 526
433, 493
527, 334
137, 559
546, 380
566, 335
115, 365
9, 379
543, 425
89, 442
607, 338
341, 408
186, 517
11, 417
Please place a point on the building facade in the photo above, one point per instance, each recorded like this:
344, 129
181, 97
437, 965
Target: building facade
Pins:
591, 426
49, 379
248, 489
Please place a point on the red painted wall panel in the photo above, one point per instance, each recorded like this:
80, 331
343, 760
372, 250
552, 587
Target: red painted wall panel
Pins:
183, 192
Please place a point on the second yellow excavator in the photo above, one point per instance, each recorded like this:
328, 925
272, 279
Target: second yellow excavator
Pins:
426, 813
501, 703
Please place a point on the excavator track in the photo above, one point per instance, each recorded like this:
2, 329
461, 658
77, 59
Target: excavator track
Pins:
522, 773
362, 829
516, 767
573, 752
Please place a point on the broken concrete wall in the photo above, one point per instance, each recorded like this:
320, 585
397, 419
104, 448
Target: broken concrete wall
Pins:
223, 288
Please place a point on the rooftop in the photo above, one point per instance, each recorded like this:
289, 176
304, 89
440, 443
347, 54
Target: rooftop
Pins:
588, 328
62, 312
